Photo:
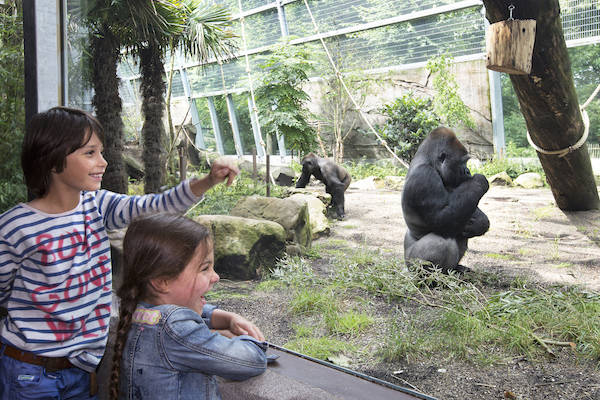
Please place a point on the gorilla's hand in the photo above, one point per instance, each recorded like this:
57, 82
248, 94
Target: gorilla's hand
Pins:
482, 183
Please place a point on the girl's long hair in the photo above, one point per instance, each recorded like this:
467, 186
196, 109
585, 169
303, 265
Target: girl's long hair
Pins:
156, 246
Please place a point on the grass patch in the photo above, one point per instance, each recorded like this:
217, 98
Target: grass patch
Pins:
309, 301
498, 256
269, 285
454, 316
348, 323
321, 348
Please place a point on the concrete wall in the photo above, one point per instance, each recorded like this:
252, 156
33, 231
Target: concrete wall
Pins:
472, 78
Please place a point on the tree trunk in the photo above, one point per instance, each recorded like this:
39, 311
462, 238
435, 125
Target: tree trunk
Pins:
153, 106
549, 104
107, 103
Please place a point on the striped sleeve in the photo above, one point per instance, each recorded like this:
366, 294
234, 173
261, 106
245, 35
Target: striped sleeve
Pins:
118, 209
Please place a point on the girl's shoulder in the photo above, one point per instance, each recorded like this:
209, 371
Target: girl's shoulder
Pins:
167, 313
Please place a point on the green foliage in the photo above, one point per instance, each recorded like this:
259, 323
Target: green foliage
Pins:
512, 168
321, 348
380, 169
447, 102
280, 99
222, 198
12, 104
409, 121
585, 66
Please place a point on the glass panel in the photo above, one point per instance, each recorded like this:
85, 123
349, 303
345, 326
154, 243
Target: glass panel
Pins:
240, 101
224, 125
79, 92
207, 129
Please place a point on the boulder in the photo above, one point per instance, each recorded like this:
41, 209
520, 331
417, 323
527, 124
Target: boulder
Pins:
530, 180
501, 179
318, 192
319, 224
283, 176
393, 182
292, 215
243, 246
368, 183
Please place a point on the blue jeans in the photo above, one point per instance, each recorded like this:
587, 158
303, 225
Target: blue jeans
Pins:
23, 381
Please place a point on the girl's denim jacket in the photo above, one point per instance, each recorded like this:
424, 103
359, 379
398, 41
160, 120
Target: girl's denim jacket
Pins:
170, 353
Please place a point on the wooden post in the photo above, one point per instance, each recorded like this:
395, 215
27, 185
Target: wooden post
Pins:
509, 46
268, 175
182, 162
549, 104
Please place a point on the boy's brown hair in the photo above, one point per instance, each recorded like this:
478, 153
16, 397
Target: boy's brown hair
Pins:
50, 137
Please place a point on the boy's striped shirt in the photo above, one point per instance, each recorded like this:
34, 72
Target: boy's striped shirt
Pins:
55, 271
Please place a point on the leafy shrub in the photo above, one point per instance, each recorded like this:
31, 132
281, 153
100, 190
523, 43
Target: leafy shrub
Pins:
410, 119
512, 168
222, 198
380, 169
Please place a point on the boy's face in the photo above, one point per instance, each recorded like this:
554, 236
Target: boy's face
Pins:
198, 277
83, 168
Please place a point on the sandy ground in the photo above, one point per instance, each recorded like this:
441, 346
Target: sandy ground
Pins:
528, 234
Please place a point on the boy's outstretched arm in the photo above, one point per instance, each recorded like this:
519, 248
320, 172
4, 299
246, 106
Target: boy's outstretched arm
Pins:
221, 170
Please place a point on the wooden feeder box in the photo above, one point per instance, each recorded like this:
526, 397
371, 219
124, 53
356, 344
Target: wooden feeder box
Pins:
509, 46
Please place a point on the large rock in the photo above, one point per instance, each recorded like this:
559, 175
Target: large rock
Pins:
283, 176
530, 180
319, 224
316, 191
244, 246
292, 215
393, 182
501, 179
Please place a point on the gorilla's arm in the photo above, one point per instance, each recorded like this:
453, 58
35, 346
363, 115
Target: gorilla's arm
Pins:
477, 225
304, 178
429, 207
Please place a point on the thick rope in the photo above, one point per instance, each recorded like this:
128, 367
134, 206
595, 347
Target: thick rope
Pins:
586, 125
339, 75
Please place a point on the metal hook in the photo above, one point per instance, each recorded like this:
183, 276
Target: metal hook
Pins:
510, 9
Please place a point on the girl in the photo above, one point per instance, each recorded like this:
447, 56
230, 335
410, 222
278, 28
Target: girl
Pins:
170, 343
55, 267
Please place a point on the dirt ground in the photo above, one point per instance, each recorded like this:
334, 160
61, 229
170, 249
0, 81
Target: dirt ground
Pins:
529, 236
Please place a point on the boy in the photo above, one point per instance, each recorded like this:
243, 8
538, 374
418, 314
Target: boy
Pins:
55, 268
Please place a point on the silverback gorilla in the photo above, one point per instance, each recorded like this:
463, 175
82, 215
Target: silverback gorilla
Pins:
335, 178
439, 202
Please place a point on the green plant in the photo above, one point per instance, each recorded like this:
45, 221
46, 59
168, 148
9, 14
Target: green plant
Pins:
348, 323
447, 102
512, 168
409, 121
380, 169
321, 348
280, 99
12, 104
221, 198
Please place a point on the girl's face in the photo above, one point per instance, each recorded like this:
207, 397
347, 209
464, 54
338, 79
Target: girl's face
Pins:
198, 277
83, 169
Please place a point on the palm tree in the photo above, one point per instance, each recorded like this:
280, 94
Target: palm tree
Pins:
147, 29
200, 30
113, 25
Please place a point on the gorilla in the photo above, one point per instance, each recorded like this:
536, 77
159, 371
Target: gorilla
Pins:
335, 178
439, 202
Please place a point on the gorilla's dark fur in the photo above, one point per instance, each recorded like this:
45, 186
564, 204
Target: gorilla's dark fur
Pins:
335, 178
439, 202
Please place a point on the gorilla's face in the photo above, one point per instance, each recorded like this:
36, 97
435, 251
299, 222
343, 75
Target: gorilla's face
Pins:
452, 167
